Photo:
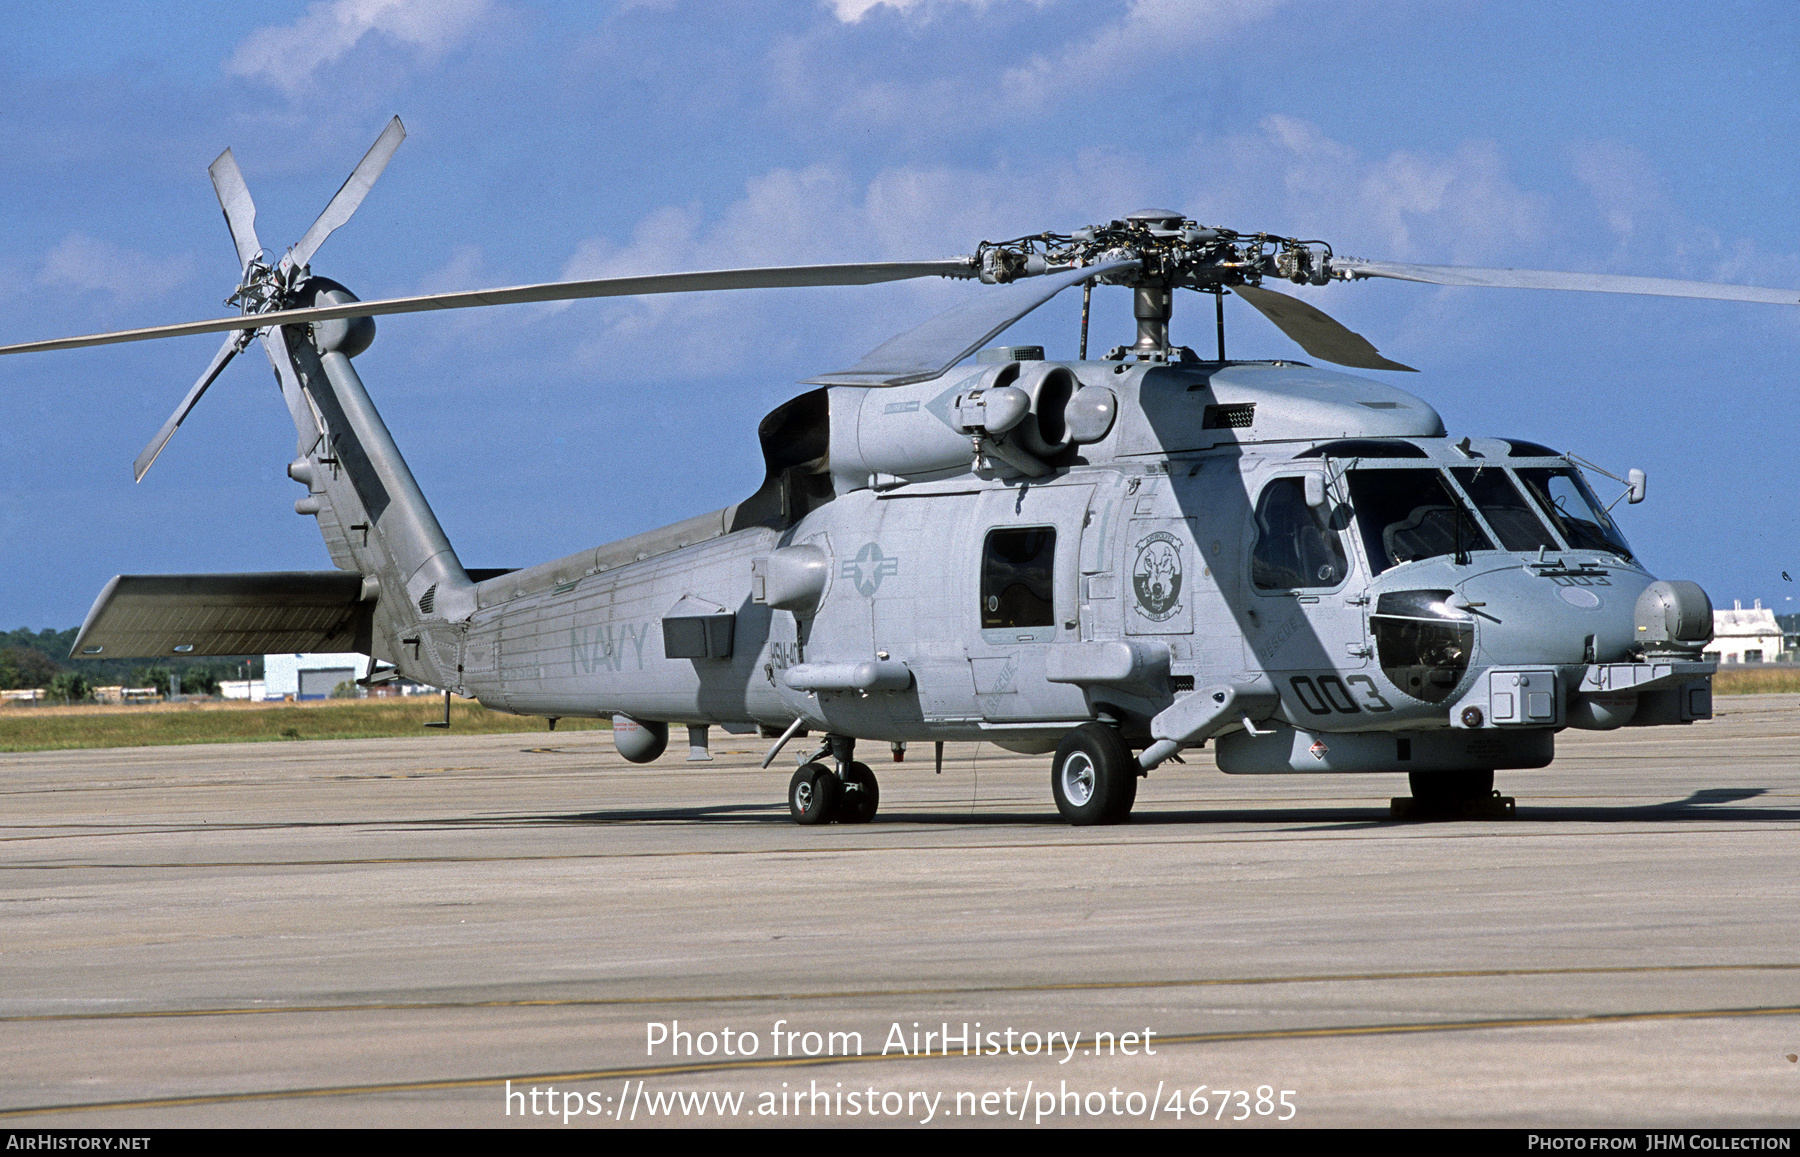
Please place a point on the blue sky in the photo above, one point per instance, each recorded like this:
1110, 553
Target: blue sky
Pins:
565, 140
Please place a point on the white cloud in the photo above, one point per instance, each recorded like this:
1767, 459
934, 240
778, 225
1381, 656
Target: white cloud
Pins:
1147, 31
1652, 238
462, 271
853, 11
1459, 207
1622, 183
83, 263
1287, 177
288, 55
1150, 30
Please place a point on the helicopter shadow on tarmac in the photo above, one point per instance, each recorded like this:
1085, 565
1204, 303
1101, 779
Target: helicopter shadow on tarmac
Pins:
1707, 804
1711, 804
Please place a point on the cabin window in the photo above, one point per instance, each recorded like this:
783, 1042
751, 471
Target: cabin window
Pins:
1296, 547
1408, 515
1017, 565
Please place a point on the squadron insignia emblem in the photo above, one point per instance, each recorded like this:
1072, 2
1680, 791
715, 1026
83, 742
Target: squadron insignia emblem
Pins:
1156, 576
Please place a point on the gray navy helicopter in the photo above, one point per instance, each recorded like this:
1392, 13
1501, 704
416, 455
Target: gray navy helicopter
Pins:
1113, 560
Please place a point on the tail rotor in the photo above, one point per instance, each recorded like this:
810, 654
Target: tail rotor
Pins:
264, 288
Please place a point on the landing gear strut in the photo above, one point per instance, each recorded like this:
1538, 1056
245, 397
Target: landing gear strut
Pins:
850, 795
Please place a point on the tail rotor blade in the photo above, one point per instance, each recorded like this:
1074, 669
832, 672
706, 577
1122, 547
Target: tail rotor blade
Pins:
274, 343
240, 210
1315, 331
351, 194
220, 360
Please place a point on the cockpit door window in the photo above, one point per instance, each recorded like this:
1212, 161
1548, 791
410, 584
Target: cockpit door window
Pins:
1297, 547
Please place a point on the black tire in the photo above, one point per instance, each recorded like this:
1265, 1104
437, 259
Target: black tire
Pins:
1095, 777
1440, 788
813, 794
859, 797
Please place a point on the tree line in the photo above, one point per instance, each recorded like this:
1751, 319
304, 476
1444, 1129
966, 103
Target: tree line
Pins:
40, 659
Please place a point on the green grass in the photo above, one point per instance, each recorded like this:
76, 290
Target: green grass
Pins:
53, 728
1752, 681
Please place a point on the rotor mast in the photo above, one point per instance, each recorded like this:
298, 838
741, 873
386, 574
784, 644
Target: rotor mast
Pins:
1153, 304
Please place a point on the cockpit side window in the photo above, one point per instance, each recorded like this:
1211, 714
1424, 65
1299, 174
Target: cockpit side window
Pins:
1296, 548
1407, 515
1505, 509
1571, 506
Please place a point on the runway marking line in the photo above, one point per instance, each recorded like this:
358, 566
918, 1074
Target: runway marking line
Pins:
974, 990
640, 1072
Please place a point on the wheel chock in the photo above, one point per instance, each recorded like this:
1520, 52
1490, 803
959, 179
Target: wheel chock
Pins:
1488, 807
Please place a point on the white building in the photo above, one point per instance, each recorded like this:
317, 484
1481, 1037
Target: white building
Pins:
251, 689
310, 676
1745, 635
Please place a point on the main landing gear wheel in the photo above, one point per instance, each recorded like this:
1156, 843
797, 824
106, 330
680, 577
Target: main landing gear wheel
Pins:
813, 794
1452, 795
1094, 778
859, 796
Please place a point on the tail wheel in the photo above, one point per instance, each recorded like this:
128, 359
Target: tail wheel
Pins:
861, 795
1094, 778
813, 794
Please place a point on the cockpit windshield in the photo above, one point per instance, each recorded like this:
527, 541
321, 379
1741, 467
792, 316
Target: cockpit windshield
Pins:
1407, 515
1566, 500
1506, 510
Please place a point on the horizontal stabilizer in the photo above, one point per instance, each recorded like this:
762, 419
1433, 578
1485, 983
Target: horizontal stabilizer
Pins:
148, 615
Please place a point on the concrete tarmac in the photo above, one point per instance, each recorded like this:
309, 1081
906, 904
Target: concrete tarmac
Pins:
386, 932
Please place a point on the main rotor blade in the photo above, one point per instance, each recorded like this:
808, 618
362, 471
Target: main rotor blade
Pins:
777, 277
220, 360
1547, 279
1316, 332
240, 210
928, 350
347, 198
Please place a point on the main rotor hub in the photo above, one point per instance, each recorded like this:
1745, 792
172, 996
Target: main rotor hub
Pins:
1174, 252
1159, 221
